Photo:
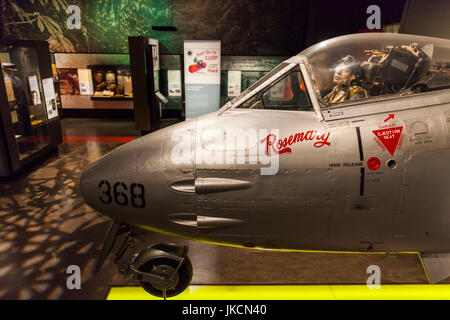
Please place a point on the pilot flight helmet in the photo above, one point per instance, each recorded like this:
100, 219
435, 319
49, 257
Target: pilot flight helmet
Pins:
349, 62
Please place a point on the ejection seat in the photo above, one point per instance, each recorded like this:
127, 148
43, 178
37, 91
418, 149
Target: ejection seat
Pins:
396, 69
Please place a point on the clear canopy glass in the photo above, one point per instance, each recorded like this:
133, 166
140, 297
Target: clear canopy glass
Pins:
368, 65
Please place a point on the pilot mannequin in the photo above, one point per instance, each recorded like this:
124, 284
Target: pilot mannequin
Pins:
347, 79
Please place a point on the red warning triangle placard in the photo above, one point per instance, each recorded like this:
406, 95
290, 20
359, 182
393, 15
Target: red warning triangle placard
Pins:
389, 137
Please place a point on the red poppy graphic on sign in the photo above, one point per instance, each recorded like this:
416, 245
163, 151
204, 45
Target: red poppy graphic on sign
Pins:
389, 137
199, 65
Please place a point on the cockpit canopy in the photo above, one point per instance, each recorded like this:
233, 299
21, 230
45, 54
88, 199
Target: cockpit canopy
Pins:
362, 66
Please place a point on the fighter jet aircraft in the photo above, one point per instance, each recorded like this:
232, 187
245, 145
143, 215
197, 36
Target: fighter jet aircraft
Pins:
343, 147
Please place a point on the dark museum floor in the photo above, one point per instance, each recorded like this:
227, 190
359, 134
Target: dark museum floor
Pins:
45, 226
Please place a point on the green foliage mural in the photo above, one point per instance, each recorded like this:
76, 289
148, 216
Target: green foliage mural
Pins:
26, 20
113, 21
246, 27
105, 24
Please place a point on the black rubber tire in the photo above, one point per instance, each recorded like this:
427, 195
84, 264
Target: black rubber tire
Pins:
184, 276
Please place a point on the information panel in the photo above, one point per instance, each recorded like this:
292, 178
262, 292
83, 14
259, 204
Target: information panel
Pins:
85, 79
202, 77
174, 80
49, 95
234, 83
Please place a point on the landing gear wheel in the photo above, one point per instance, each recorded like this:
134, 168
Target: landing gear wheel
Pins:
165, 266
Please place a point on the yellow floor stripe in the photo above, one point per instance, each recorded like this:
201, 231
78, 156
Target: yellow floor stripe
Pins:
393, 292
293, 292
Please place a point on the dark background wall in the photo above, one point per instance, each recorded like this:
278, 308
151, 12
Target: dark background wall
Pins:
328, 19
245, 27
428, 18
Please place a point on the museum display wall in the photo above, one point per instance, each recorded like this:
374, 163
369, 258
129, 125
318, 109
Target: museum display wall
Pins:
78, 86
250, 47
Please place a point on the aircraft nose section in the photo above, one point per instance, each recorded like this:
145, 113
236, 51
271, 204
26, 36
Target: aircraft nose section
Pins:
91, 173
130, 184
102, 169
94, 174
116, 163
98, 176
114, 182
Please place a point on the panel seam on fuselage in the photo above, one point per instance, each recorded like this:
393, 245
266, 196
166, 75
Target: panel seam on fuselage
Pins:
361, 158
358, 134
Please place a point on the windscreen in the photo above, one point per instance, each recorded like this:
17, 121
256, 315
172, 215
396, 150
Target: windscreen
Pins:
277, 69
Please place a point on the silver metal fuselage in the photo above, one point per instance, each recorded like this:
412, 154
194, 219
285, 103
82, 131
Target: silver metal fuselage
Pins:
323, 197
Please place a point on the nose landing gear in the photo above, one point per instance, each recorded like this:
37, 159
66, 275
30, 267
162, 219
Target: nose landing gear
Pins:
163, 270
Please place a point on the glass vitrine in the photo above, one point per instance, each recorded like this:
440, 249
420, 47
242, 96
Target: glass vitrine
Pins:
25, 99
28, 104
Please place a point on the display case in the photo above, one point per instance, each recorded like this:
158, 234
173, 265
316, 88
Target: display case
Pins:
30, 126
111, 82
